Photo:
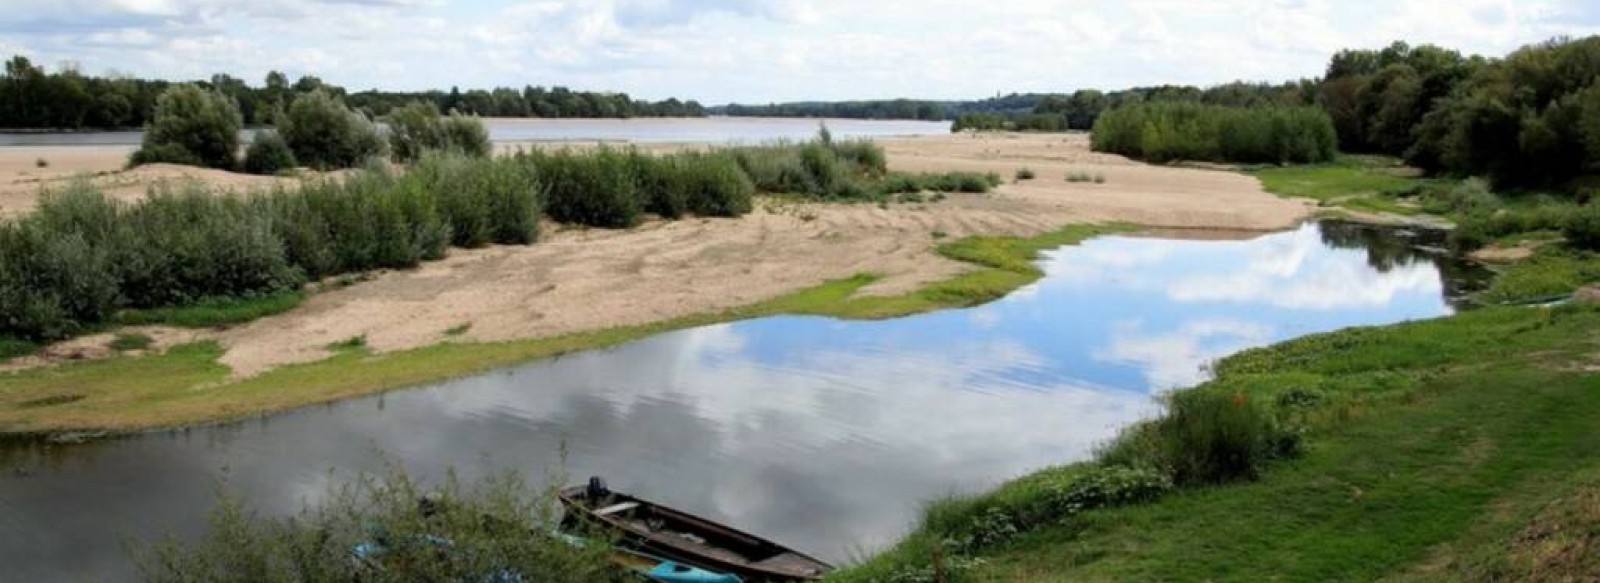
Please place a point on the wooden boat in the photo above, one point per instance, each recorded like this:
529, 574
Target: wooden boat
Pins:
687, 538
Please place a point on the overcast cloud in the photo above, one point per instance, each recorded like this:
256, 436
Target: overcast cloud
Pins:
759, 51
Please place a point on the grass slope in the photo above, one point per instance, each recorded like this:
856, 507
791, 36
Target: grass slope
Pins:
187, 385
1433, 448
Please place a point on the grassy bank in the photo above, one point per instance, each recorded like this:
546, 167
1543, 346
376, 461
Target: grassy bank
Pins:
186, 384
1431, 450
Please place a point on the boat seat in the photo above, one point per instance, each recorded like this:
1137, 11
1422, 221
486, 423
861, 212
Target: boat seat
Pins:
616, 508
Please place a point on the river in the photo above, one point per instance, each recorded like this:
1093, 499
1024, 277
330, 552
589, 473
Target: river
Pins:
823, 434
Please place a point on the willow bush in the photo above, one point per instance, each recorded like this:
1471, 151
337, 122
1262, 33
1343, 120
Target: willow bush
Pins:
418, 127
1170, 131
191, 126
324, 134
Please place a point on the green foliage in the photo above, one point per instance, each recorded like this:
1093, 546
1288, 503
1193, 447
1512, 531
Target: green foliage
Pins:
214, 312
1477, 228
1582, 227
191, 126
268, 154
1025, 173
1549, 273
130, 341
324, 134
1169, 131
480, 200
417, 127
12, 347
498, 530
597, 189
1206, 437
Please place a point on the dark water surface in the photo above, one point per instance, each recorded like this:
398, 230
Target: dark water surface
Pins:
823, 434
643, 130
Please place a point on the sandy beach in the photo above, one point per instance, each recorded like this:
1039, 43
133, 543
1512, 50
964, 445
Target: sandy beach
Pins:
585, 279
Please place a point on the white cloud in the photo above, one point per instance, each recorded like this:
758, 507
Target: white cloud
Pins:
1178, 358
754, 50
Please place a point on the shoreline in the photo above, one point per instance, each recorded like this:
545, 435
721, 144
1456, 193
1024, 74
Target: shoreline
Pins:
661, 275
1002, 264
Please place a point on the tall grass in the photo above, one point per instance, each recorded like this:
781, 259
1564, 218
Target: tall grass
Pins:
1168, 131
387, 529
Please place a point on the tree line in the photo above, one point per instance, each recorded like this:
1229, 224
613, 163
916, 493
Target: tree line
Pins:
34, 98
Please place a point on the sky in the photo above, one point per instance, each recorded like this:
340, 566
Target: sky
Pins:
755, 51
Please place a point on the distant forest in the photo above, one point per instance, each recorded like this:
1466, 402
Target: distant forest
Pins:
33, 98
1038, 111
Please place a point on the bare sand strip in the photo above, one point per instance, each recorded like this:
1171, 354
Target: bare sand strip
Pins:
585, 279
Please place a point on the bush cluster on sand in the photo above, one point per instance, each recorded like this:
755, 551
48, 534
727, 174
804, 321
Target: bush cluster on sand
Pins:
1168, 131
83, 256
418, 127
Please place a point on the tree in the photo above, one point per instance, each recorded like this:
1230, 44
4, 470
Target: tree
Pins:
325, 134
199, 123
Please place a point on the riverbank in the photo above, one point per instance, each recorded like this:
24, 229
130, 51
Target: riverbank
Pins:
1455, 449
589, 281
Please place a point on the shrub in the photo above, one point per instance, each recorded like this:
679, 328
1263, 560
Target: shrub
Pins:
41, 163
182, 246
1582, 227
714, 184
481, 200
268, 154
863, 154
325, 134
388, 529
191, 126
418, 127
1206, 437
164, 154
1025, 173
596, 189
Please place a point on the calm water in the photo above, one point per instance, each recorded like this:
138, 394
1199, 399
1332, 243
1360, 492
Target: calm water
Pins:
709, 130
820, 433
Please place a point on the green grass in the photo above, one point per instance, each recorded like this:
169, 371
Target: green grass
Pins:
130, 341
1550, 272
214, 312
1430, 445
131, 393
1360, 183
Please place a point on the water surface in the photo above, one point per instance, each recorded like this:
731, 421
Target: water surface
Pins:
823, 434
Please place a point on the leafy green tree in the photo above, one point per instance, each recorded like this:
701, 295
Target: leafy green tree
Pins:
325, 134
191, 123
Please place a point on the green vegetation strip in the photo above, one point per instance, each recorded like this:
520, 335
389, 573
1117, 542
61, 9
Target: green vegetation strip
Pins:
186, 384
1431, 450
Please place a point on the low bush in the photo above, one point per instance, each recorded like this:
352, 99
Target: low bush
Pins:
715, 185
191, 126
599, 189
1025, 173
1205, 437
268, 154
1476, 229
1582, 227
418, 127
164, 154
324, 134
481, 200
